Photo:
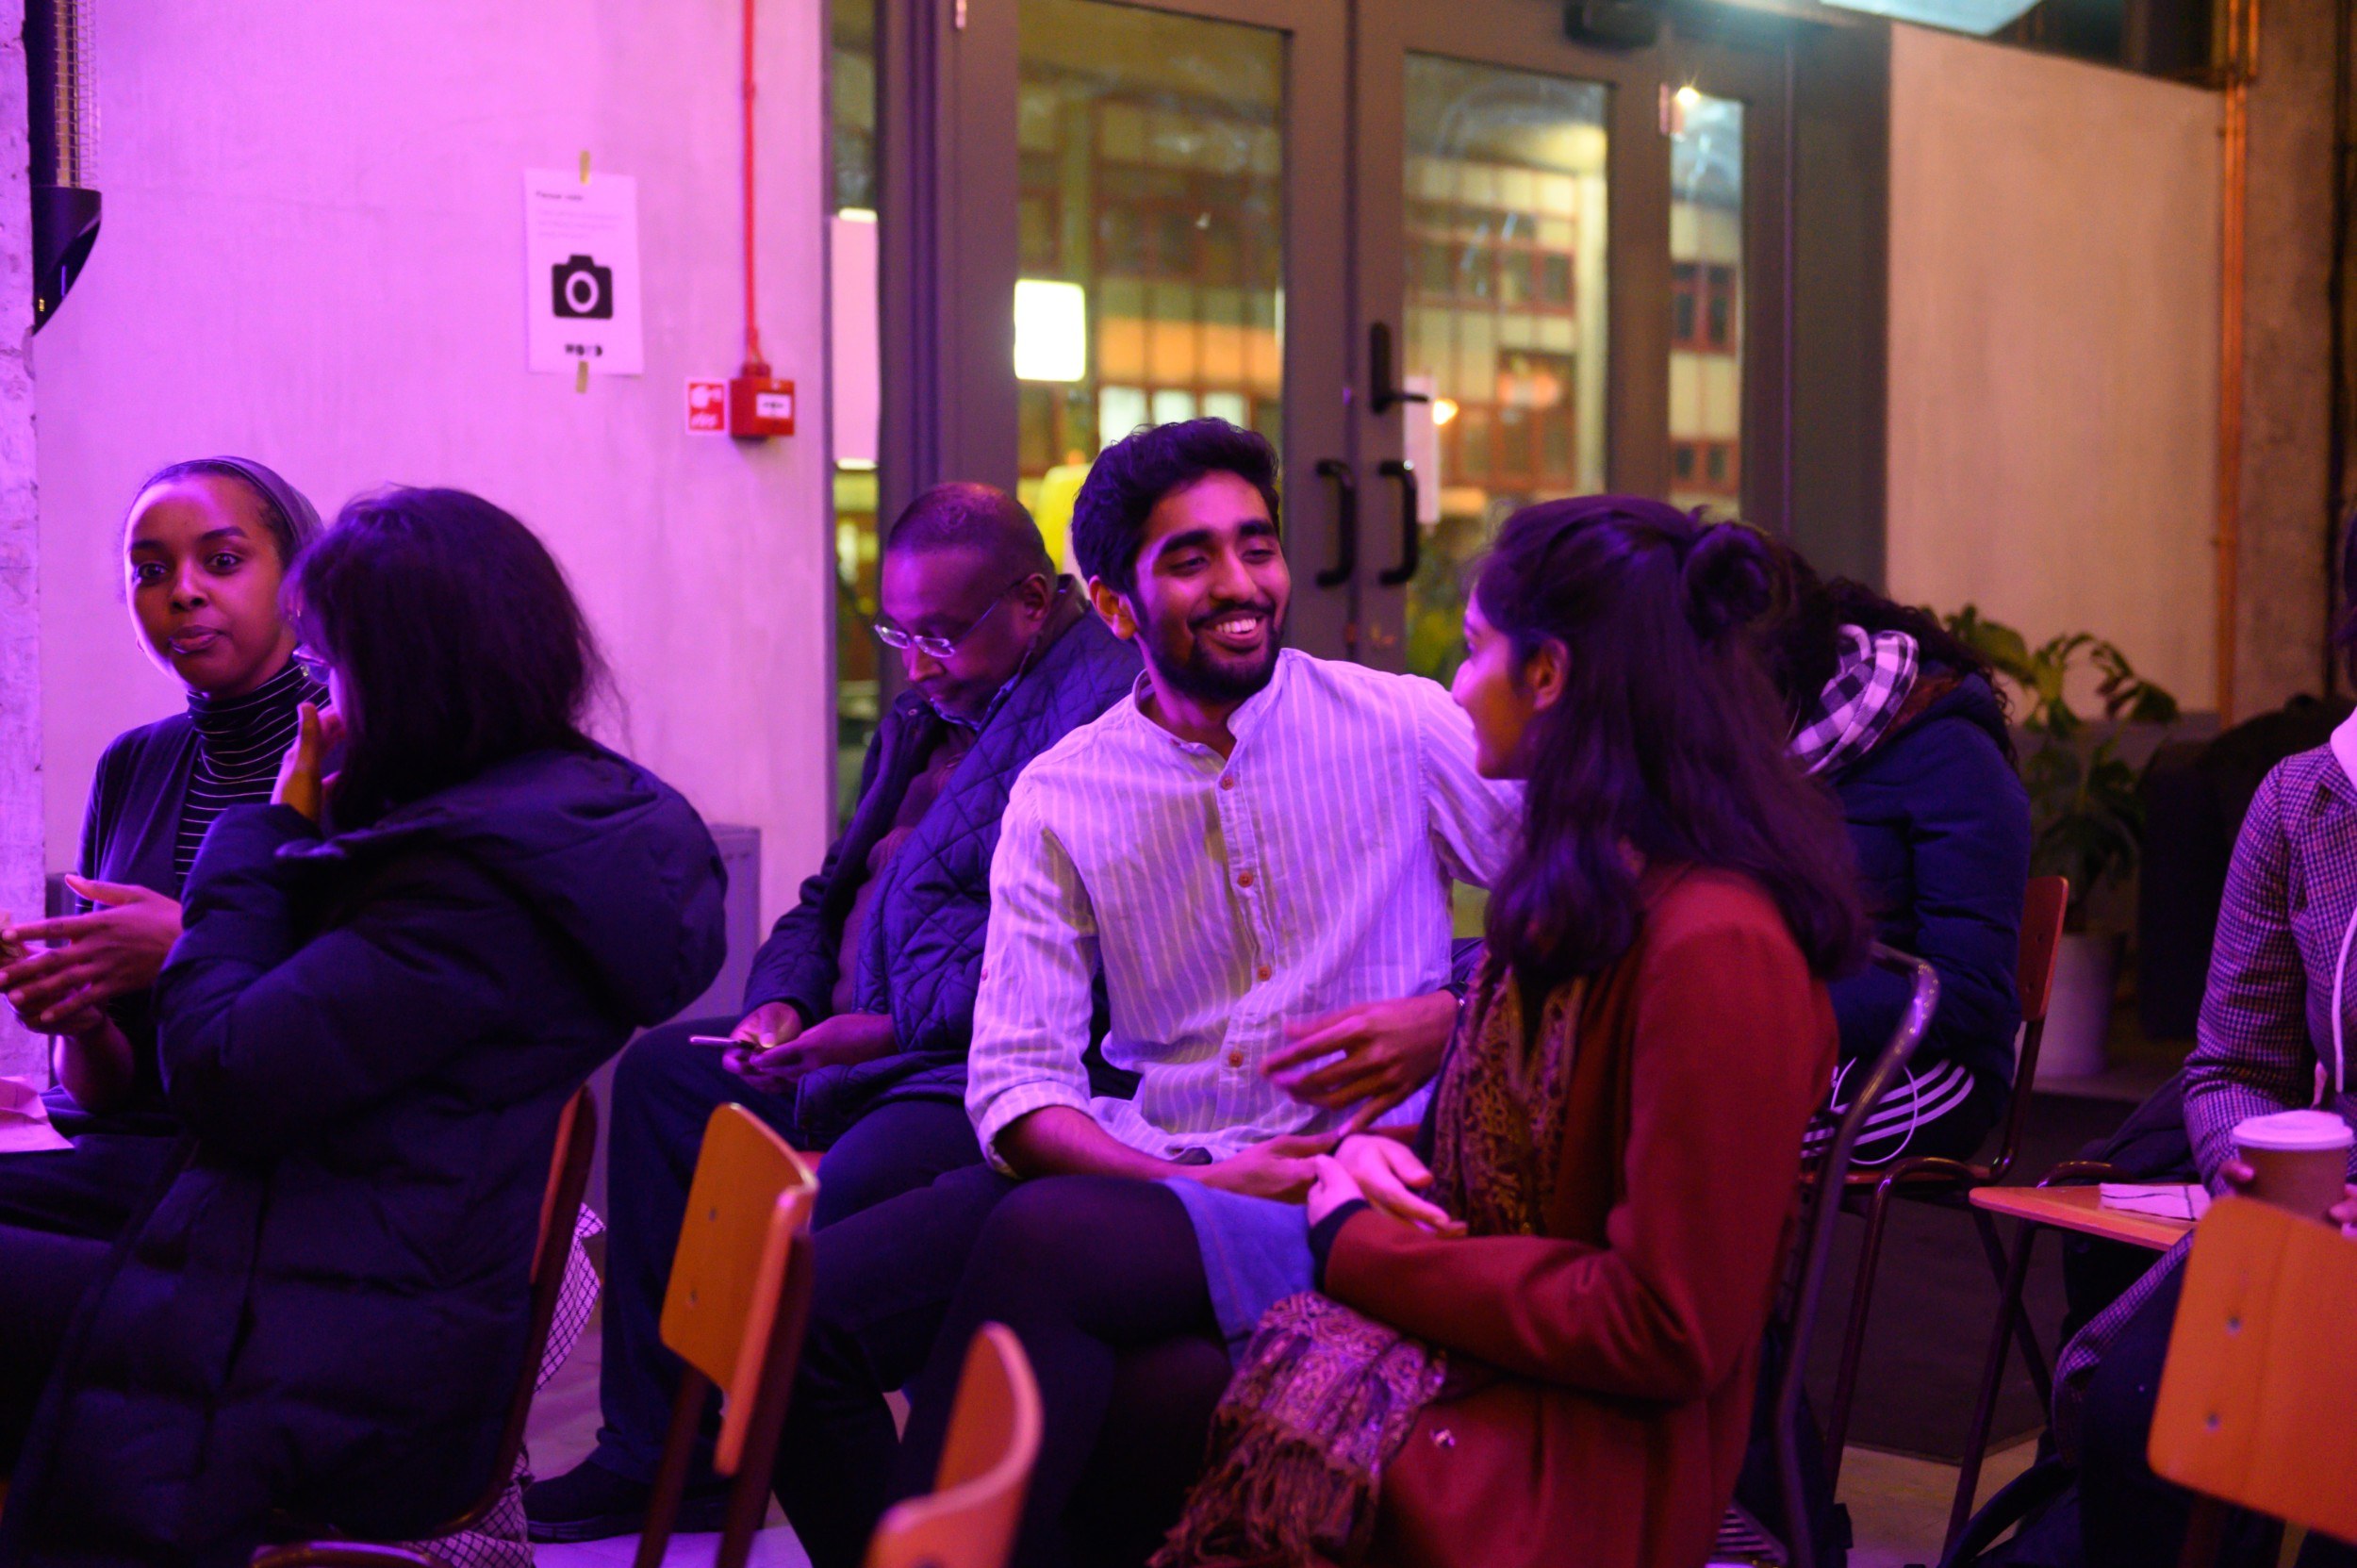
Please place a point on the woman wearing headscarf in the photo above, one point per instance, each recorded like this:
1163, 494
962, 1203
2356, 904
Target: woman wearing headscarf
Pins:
206, 548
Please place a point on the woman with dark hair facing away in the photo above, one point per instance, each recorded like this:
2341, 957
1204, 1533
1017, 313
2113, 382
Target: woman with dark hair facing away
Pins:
1907, 724
206, 548
1532, 1337
392, 979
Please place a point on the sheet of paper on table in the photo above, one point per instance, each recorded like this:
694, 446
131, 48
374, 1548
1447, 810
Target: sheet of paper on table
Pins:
25, 1120
2186, 1203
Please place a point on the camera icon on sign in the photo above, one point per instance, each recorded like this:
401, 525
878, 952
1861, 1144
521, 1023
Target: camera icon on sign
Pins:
582, 289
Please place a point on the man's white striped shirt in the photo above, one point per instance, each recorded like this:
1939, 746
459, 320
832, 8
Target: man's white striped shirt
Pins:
1308, 871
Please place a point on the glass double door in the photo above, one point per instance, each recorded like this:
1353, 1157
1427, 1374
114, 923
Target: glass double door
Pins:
1449, 260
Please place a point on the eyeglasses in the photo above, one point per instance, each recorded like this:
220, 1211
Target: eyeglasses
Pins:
941, 647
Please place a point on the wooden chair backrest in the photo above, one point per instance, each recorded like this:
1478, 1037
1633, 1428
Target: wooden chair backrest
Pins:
2042, 910
747, 1212
2262, 1373
969, 1520
2042, 913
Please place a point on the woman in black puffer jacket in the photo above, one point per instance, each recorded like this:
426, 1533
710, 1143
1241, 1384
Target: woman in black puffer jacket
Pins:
391, 982
1907, 725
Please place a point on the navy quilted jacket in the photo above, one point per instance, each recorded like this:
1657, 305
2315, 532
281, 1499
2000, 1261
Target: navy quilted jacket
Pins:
1941, 825
921, 955
369, 1036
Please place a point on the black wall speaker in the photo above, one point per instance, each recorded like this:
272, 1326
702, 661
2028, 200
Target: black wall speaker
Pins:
1613, 24
61, 102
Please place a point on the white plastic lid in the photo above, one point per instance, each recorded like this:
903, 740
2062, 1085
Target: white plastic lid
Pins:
2295, 1130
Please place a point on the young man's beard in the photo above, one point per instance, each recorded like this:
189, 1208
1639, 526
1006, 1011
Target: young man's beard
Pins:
1209, 677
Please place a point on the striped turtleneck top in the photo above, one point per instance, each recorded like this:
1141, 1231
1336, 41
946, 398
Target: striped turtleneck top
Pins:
240, 743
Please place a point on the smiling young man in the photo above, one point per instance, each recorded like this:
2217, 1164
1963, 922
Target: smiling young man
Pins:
1242, 870
853, 1033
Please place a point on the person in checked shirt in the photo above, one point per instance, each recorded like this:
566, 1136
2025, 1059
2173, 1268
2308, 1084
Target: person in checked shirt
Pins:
1236, 882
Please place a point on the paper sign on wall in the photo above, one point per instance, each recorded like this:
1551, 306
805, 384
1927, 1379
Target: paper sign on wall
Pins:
580, 272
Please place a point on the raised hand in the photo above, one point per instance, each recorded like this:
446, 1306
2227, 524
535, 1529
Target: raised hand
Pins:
300, 783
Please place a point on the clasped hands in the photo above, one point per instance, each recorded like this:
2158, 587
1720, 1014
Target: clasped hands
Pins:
1313, 1169
778, 1050
118, 947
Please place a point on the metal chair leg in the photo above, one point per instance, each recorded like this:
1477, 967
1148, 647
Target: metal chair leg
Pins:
2026, 1334
2205, 1533
1992, 1377
1877, 1218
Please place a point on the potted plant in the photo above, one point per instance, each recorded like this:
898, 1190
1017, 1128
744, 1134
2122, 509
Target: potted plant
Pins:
2086, 822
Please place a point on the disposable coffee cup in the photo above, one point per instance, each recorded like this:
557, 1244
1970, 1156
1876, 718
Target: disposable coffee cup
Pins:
2299, 1160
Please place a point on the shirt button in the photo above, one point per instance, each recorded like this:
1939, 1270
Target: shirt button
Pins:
1266, 971
1227, 781
1235, 1059
1244, 878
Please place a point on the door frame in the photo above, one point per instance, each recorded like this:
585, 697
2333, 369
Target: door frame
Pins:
949, 360
947, 76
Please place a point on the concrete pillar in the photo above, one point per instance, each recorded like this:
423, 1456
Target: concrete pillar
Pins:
2280, 588
21, 833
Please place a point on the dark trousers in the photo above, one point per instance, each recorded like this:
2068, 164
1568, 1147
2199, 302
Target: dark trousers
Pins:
91, 1189
42, 1279
1102, 1280
60, 1212
880, 1285
664, 1090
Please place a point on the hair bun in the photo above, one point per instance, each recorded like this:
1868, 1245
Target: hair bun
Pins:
1730, 579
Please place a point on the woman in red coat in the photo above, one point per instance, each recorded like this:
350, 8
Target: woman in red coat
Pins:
1535, 1337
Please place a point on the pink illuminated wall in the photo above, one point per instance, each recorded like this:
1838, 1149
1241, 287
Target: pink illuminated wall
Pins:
313, 254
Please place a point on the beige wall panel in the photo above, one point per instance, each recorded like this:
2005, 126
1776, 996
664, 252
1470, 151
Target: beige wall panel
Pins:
313, 256
2054, 348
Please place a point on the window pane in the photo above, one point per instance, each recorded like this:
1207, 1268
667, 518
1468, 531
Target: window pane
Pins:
1705, 301
852, 154
1152, 179
1503, 323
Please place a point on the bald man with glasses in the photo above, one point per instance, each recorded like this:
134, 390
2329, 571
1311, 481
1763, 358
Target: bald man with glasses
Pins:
861, 1003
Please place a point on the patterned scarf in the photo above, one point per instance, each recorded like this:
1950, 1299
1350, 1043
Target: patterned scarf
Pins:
1325, 1397
1869, 686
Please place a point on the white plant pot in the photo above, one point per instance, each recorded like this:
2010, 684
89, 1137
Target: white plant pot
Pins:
2078, 1010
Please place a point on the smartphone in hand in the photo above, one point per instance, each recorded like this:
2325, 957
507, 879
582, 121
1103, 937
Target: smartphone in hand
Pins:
718, 1040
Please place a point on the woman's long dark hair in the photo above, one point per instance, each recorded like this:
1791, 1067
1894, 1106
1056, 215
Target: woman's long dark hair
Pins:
1667, 739
1805, 649
454, 640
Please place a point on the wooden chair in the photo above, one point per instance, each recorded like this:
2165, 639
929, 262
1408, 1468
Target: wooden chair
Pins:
568, 1177
1806, 1278
2262, 1374
739, 1300
1949, 1184
969, 1519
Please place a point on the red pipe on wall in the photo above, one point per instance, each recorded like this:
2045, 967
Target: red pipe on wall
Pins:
754, 364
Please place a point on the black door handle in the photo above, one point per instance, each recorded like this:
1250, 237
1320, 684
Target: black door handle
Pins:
1410, 531
1387, 394
1346, 522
